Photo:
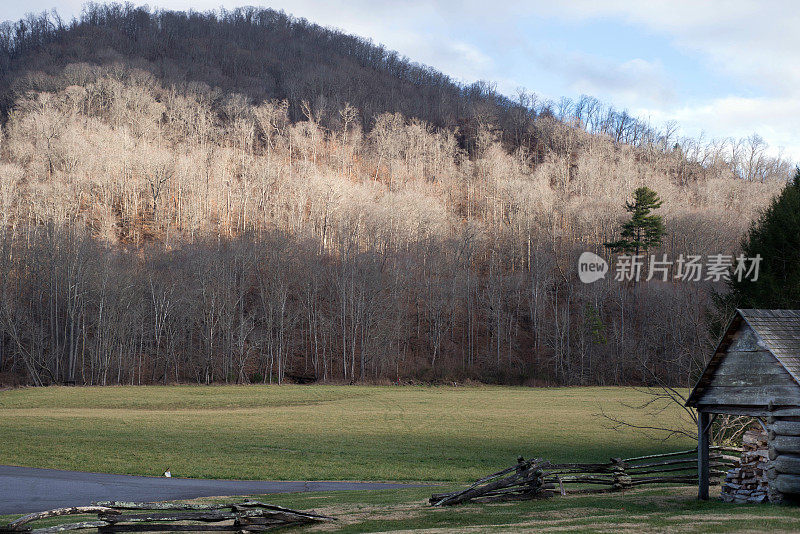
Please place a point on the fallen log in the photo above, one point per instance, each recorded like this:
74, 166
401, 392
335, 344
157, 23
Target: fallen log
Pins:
168, 527
210, 516
69, 526
73, 510
126, 505
167, 517
265, 506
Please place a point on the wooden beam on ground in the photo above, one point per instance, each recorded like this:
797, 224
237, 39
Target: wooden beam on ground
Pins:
74, 510
69, 526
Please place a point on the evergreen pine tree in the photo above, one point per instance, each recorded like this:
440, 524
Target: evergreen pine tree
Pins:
644, 230
775, 236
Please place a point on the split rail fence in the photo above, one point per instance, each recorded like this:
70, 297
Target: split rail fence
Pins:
538, 478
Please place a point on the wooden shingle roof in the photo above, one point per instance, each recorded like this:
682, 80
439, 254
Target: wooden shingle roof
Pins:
778, 331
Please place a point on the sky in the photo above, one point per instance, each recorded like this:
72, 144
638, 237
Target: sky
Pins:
718, 68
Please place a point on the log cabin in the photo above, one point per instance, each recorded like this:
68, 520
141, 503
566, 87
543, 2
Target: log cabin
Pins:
755, 372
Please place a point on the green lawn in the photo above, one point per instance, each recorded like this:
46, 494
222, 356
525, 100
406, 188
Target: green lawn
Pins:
314, 432
664, 510
673, 509
369, 433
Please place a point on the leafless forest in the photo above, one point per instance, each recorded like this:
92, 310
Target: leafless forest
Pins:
247, 197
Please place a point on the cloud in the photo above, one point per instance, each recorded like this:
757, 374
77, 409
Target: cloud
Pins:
754, 45
757, 42
636, 81
774, 118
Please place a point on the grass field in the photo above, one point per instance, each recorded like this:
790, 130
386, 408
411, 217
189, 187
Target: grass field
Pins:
661, 510
369, 433
313, 432
643, 510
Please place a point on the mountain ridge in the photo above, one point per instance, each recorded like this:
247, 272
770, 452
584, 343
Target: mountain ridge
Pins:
162, 228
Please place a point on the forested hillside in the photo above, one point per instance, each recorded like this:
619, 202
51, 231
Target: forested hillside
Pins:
243, 196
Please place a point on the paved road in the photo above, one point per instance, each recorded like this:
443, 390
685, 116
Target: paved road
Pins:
26, 489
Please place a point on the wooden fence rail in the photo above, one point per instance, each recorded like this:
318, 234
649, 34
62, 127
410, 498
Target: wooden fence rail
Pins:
537, 478
112, 516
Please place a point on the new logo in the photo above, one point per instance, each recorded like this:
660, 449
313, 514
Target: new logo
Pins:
591, 267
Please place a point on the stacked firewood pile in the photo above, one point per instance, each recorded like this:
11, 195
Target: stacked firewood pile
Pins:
747, 481
536, 478
248, 516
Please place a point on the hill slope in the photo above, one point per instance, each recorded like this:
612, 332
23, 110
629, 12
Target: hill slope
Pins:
247, 197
